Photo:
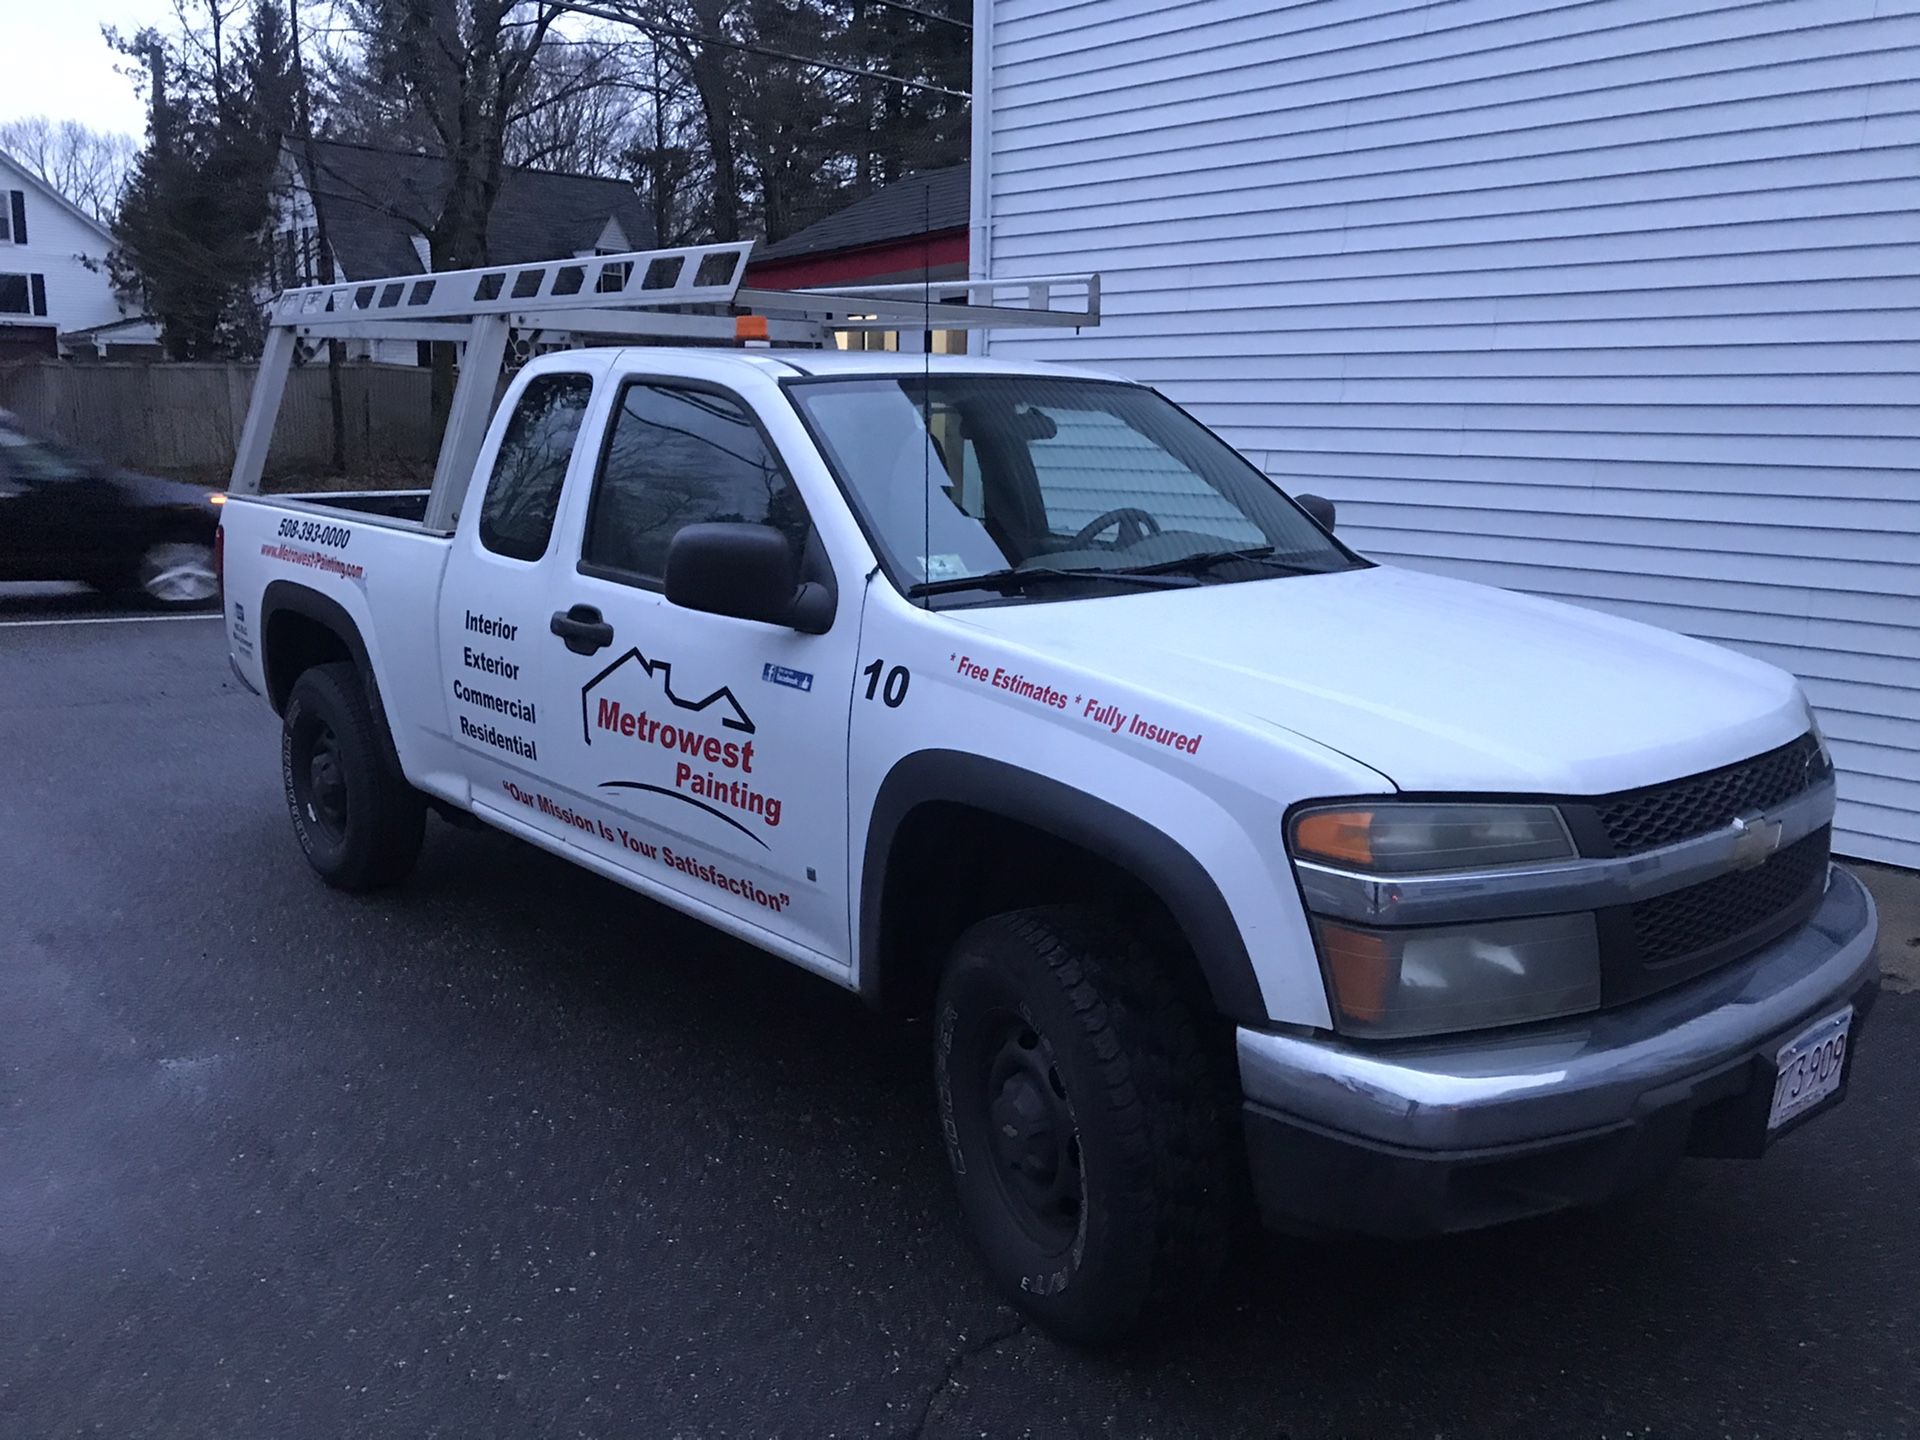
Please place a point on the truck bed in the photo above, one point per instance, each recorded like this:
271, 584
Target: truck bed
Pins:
363, 554
407, 505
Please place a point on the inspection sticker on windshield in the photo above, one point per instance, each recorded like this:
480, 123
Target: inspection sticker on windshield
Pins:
1808, 1068
942, 567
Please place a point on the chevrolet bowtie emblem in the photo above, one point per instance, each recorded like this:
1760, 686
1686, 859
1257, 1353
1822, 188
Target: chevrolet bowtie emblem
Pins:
1755, 838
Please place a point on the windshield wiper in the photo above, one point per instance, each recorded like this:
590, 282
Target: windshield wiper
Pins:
1015, 577
1204, 560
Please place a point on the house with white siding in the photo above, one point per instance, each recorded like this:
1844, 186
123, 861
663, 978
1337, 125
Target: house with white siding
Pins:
55, 294
1615, 301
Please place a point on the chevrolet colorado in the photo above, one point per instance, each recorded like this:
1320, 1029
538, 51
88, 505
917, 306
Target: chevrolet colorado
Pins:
1230, 867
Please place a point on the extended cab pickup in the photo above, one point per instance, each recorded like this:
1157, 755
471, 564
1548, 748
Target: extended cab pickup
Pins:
1229, 866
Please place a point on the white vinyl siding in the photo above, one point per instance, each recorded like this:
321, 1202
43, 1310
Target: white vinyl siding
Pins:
65, 249
1611, 300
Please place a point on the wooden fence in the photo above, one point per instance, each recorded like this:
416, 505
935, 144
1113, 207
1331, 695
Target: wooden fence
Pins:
185, 418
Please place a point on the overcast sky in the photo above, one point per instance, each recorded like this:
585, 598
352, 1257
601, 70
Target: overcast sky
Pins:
53, 61
56, 63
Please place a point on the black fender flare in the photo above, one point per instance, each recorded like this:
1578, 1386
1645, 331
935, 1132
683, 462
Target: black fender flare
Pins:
1122, 839
290, 597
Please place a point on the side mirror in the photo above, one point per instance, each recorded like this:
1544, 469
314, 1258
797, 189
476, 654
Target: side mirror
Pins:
745, 571
1319, 507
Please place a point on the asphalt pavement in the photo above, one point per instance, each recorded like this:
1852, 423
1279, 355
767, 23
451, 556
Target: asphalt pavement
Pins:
509, 1151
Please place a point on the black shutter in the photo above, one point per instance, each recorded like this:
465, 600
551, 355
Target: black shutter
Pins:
39, 284
19, 217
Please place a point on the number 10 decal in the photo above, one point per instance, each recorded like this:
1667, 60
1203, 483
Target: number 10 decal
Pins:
894, 690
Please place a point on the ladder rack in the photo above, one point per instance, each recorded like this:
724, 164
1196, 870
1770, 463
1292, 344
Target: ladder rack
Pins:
647, 293
689, 293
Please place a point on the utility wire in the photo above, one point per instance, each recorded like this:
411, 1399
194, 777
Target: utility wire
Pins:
673, 32
925, 14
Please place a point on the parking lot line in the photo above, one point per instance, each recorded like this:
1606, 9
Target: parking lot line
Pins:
101, 620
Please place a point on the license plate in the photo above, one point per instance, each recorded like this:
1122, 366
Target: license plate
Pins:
1808, 1068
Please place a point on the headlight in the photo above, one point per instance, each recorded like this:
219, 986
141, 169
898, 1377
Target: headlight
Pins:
1417, 839
1819, 738
1395, 981
1430, 981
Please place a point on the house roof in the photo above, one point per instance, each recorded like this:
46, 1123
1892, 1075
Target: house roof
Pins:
376, 201
140, 323
54, 195
923, 204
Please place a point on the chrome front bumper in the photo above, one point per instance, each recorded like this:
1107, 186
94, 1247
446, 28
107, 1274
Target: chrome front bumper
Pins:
1570, 1078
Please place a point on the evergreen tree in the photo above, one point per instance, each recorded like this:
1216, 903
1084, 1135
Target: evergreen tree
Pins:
190, 237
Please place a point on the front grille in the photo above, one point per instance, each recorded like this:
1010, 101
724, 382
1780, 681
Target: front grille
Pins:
1661, 814
1714, 914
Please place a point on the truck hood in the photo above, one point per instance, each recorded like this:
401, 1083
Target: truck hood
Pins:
1435, 683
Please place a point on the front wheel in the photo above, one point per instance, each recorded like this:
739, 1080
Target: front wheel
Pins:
358, 821
1089, 1126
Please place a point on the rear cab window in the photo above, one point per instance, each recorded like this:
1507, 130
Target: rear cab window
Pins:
523, 494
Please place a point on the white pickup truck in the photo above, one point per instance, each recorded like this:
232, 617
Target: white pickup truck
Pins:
1231, 868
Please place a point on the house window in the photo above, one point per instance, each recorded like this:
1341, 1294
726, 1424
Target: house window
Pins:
613, 278
23, 295
13, 217
298, 256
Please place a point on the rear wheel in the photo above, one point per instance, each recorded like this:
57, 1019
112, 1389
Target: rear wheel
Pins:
177, 574
1089, 1126
358, 821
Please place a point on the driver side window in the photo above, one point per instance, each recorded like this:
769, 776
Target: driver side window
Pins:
683, 455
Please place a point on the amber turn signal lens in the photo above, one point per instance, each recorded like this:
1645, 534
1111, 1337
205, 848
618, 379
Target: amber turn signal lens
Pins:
1364, 970
1344, 836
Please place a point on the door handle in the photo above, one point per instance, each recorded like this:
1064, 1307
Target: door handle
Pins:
582, 629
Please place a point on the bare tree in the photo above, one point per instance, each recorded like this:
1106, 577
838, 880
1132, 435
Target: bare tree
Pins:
303, 127
463, 66
87, 166
577, 113
667, 157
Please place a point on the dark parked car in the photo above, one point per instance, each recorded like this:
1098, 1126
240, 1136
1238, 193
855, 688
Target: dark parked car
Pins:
66, 517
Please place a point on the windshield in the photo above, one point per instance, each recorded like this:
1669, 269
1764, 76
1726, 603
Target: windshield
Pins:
1008, 479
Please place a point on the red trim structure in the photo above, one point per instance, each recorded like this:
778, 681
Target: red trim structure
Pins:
908, 258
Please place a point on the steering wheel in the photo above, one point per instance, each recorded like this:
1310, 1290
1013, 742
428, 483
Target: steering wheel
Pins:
1135, 525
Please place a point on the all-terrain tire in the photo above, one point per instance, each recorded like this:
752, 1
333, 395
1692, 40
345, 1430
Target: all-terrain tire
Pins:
358, 821
1061, 1002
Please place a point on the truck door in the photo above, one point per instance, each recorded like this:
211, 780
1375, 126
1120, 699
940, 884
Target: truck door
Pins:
702, 752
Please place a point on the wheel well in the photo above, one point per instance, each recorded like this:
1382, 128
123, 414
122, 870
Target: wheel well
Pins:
294, 643
952, 864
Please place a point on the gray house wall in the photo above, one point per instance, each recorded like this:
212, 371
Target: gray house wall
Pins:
1616, 301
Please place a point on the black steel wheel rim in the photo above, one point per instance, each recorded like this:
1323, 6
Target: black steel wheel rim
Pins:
320, 780
1031, 1139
